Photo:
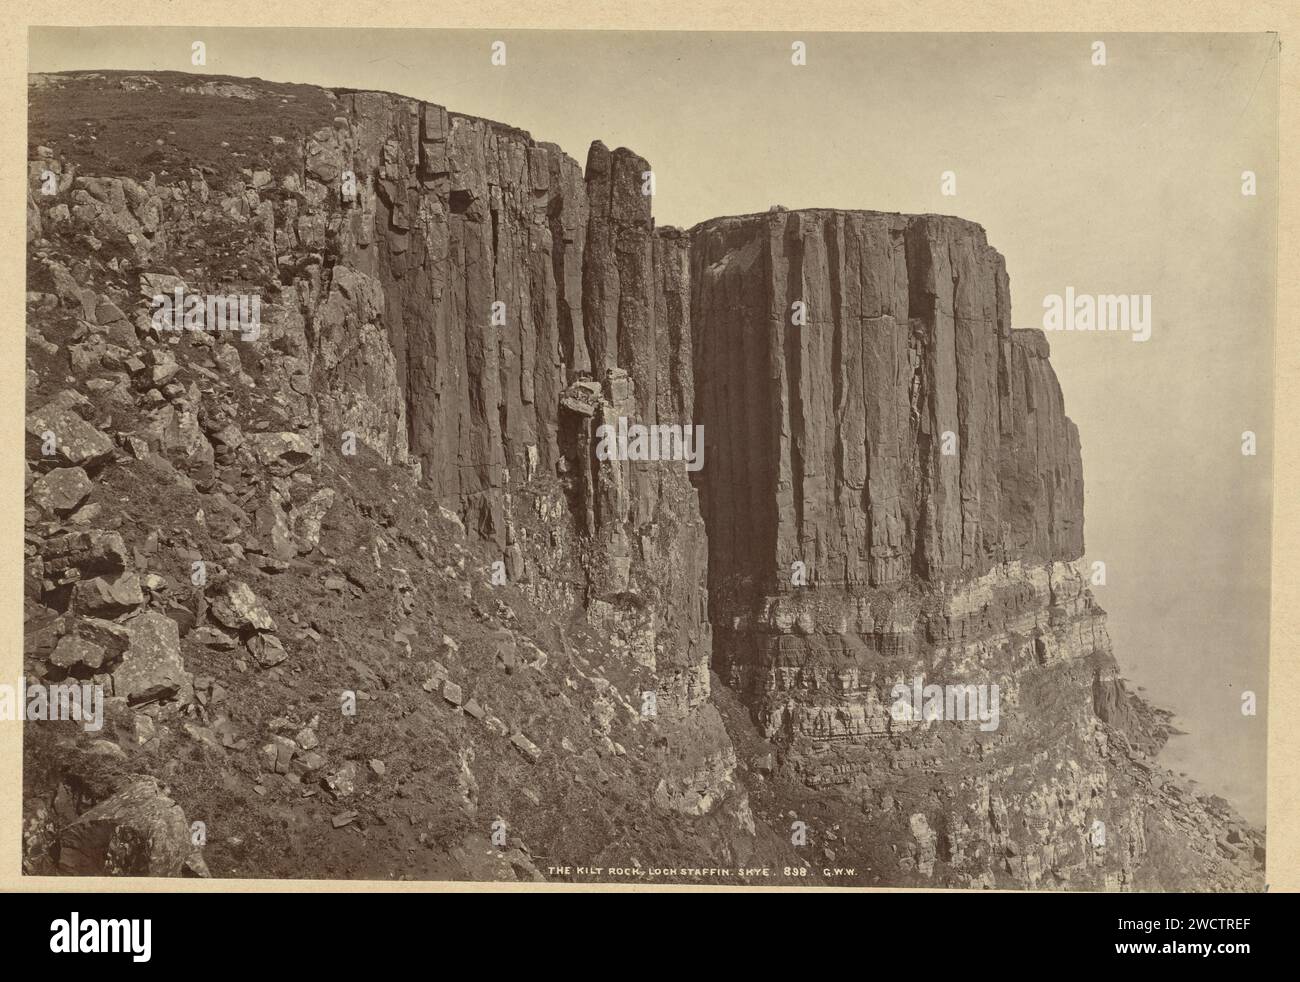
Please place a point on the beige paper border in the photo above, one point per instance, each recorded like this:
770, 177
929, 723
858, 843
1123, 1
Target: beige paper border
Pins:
1108, 16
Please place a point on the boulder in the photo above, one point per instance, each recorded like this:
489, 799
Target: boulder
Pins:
108, 596
151, 668
239, 609
138, 831
283, 453
61, 491
72, 441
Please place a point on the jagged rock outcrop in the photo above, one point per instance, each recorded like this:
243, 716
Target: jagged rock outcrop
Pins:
888, 490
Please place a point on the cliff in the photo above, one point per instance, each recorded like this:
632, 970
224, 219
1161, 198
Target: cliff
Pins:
625, 662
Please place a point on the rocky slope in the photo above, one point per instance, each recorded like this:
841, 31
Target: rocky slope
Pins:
392, 493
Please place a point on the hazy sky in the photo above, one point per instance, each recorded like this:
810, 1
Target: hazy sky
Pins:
1124, 178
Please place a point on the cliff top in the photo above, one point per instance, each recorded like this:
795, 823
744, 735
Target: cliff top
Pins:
778, 211
236, 125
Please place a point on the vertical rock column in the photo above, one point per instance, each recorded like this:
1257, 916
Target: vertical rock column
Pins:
526, 303
649, 556
896, 436
893, 493
476, 233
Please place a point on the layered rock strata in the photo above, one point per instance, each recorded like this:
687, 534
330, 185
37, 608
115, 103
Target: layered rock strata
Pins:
895, 498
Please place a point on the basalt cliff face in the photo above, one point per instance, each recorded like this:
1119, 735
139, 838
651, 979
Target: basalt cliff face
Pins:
564, 660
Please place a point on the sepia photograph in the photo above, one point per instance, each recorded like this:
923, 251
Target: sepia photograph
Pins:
593, 460
452, 457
